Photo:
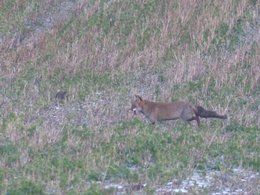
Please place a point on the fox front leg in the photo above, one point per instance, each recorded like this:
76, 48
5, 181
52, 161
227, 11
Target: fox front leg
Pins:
152, 119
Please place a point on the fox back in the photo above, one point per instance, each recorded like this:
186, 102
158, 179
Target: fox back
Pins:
155, 111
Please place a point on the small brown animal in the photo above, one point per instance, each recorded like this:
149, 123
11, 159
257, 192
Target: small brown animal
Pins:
61, 96
155, 111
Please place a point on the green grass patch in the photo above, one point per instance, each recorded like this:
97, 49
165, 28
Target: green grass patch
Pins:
25, 188
126, 150
242, 148
9, 153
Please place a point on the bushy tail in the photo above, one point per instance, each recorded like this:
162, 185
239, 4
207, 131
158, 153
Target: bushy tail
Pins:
208, 114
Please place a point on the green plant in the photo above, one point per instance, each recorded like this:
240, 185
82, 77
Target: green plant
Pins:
25, 188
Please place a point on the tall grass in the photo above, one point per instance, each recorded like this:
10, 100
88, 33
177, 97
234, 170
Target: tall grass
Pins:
103, 53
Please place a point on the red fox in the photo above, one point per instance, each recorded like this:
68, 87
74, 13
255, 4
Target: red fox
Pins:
155, 111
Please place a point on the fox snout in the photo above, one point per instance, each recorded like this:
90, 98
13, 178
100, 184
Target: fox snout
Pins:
137, 105
133, 109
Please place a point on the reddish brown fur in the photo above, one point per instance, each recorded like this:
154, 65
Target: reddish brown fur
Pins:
155, 111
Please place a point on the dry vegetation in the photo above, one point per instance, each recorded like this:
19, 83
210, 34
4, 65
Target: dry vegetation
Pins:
104, 52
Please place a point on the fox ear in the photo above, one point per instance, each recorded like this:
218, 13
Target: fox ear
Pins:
138, 97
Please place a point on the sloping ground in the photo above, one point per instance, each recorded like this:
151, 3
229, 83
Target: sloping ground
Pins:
98, 110
102, 53
101, 112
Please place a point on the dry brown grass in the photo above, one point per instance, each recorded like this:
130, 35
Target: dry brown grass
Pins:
103, 55
99, 52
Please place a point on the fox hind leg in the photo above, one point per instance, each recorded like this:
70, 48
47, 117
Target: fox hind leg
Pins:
152, 119
194, 118
189, 115
186, 115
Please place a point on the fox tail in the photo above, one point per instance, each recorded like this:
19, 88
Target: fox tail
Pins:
201, 112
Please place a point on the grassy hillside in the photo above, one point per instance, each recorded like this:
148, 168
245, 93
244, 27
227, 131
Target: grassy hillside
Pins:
104, 52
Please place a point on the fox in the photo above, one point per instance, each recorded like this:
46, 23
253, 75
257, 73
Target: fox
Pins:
157, 111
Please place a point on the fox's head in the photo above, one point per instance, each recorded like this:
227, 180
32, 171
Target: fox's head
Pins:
137, 105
